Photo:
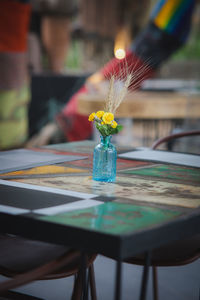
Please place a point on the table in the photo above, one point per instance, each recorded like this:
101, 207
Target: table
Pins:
146, 105
150, 205
155, 113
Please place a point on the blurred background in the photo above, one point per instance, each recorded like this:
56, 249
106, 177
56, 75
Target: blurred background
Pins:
64, 43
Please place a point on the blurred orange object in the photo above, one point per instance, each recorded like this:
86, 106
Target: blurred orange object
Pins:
14, 24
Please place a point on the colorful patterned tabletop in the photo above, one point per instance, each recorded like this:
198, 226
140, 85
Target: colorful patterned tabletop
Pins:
103, 217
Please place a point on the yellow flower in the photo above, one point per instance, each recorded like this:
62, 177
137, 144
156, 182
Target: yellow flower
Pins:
108, 118
114, 124
100, 114
102, 123
91, 117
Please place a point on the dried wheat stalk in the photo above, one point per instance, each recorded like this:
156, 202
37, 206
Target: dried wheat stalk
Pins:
110, 98
122, 94
113, 101
133, 75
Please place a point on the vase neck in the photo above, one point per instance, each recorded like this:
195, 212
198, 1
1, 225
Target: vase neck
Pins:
105, 140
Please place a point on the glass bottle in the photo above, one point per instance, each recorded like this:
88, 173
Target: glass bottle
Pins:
104, 161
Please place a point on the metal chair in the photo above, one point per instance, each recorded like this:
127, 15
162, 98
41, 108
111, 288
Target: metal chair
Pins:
174, 136
25, 261
177, 253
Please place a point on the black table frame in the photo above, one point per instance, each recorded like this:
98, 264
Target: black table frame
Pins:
117, 247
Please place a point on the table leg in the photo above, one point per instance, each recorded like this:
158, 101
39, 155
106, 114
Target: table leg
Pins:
84, 276
81, 287
145, 276
118, 280
92, 282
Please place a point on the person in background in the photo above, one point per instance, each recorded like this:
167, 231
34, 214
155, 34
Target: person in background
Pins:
166, 31
20, 55
49, 34
14, 91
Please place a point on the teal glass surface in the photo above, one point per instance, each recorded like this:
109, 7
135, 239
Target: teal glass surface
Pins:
115, 218
104, 161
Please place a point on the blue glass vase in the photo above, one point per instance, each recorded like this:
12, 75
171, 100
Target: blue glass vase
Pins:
104, 161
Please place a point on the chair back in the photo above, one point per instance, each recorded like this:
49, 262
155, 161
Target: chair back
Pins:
171, 137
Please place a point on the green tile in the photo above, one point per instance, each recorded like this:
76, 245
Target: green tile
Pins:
114, 218
169, 172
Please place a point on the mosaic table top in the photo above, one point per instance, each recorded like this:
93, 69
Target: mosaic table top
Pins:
61, 203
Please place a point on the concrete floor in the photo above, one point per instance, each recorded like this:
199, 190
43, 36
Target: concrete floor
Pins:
175, 283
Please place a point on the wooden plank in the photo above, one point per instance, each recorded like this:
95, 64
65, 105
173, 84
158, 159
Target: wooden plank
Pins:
147, 105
